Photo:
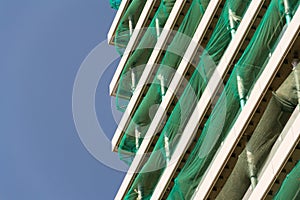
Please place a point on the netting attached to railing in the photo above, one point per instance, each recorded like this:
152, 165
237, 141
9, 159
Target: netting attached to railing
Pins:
252, 158
290, 188
135, 65
168, 66
235, 94
148, 177
127, 24
115, 4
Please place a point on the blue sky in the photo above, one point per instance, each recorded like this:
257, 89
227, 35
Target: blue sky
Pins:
42, 45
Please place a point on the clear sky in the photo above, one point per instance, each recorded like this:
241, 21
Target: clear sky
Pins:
42, 44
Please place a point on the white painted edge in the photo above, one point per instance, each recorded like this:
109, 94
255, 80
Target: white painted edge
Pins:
131, 45
274, 152
121, 11
259, 89
192, 48
212, 87
147, 72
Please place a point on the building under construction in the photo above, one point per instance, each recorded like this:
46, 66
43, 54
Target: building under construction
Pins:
210, 92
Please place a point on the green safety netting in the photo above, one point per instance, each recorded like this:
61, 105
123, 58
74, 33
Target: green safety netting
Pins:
135, 65
290, 188
115, 4
127, 24
225, 112
149, 175
169, 64
276, 115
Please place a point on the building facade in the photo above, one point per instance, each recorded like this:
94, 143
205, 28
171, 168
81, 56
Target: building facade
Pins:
210, 92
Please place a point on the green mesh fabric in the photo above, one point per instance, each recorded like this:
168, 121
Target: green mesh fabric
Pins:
147, 179
169, 64
275, 117
137, 61
228, 107
290, 188
115, 4
132, 14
